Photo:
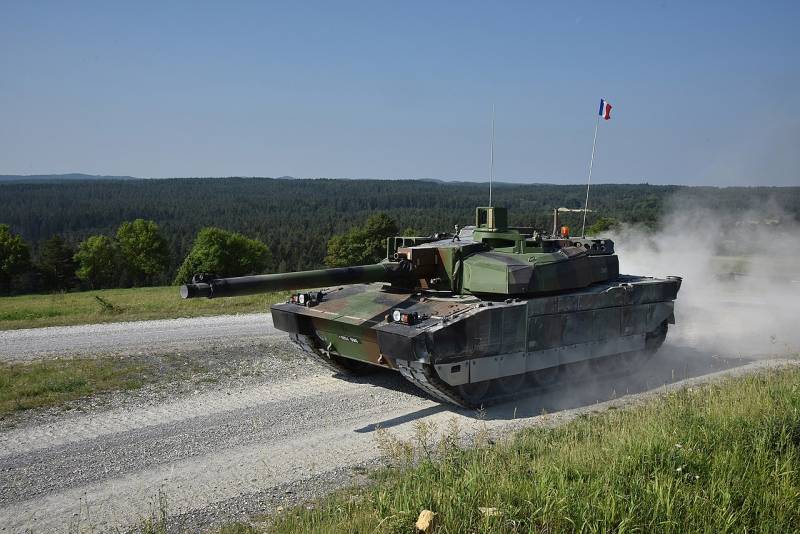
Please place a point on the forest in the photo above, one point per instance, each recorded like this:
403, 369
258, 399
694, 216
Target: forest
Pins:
296, 218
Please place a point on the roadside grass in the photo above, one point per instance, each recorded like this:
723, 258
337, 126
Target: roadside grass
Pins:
717, 458
157, 522
48, 383
113, 305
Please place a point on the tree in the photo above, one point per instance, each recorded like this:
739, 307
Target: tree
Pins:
347, 249
603, 224
56, 264
15, 257
143, 249
98, 260
378, 228
225, 254
361, 245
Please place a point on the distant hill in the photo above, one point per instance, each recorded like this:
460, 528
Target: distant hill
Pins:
58, 177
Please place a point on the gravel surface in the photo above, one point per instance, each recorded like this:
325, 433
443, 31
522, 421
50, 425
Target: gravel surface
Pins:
271, 429
135, 336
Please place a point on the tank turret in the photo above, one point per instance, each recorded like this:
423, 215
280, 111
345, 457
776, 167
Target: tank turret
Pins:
489, 258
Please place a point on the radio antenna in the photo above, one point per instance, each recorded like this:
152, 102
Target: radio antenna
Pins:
605, 112
589, 182
491, 161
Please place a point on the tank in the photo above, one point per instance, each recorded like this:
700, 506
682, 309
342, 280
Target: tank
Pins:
473, 317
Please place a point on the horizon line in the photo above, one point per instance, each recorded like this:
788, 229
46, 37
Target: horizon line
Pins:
478, 181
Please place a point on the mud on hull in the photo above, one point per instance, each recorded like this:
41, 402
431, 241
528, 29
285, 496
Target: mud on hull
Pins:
470, 351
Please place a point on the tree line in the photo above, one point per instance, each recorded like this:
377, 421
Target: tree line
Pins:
82, 234
137, 256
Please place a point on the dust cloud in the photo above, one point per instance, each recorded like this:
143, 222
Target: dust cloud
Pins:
741, 275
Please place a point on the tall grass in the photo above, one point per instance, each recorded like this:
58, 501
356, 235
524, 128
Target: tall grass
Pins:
720, 458
59, 309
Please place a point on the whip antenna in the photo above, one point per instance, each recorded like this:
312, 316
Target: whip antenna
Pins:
589, 182
491, 161
605, 113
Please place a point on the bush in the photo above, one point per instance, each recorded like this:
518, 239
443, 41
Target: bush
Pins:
601, 225
56, 265
361, 245
98, 261
15, 257
224, 253
143, 249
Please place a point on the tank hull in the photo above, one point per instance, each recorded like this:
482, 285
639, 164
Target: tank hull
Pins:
459, 345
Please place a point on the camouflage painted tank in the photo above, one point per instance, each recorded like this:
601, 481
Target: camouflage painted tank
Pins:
472, 317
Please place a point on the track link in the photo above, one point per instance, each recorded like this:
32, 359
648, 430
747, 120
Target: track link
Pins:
424, 376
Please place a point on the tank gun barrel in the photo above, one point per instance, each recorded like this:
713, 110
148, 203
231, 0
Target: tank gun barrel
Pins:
211, 286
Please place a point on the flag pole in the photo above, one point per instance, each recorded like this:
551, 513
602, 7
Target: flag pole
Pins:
491, 161
589, 182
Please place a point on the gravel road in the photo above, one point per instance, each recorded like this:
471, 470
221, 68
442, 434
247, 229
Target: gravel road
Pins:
162, 335
245, 445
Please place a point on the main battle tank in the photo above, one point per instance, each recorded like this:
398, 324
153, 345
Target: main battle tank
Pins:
474, 317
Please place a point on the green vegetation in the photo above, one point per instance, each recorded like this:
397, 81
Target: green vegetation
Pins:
53, 382
718, 458
57, 265
143, 250
602, 225
297, 218
111, 305
361, 245
224, 253
48, 383
98, 261
157, 522
14, 257
137, 255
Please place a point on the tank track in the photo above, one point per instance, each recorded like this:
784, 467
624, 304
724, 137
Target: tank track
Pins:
424, 377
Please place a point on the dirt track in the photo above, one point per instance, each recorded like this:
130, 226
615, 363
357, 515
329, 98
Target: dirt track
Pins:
241, 446
161, 335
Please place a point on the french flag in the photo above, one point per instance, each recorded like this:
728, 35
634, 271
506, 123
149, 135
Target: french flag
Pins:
605, 109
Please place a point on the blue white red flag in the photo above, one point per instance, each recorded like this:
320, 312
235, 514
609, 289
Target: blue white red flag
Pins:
605, 109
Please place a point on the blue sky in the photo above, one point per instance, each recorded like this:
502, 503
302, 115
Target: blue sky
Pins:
703, 93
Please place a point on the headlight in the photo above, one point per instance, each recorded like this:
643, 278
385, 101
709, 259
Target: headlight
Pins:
396, 316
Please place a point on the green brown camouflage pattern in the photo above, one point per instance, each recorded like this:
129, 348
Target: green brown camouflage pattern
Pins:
490, 303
